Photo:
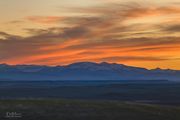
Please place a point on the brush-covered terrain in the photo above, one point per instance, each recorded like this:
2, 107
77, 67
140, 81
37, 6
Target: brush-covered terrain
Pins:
85, 110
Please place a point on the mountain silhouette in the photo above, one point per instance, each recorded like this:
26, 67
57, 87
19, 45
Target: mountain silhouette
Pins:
85, 71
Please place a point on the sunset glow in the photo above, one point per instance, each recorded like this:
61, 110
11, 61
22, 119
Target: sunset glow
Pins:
58, 32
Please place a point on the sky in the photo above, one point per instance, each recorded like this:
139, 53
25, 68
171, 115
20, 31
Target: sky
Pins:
144, 33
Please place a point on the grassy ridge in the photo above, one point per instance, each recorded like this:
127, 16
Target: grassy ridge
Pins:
85, 110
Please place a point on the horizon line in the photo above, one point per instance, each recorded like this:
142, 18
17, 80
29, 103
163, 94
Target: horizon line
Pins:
88, 62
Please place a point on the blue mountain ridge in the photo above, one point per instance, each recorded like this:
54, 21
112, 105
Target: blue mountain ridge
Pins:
85, 71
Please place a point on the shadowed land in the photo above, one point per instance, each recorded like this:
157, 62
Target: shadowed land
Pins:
97, 100
154, 92
86, 110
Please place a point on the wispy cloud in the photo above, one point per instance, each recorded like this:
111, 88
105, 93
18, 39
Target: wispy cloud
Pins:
45, 19
111, 32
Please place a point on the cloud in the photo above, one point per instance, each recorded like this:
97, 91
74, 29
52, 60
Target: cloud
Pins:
104, 33
133, 58
151, 11
45, 19
127, 43
6, 36
172, 28
15, 22
50, 47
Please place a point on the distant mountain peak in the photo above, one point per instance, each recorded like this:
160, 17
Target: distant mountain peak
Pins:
83, 63
4, 64
85, 71
105, 63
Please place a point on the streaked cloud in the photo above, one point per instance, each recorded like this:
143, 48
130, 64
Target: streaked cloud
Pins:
123, 33
172, 28
45, 19
133, 58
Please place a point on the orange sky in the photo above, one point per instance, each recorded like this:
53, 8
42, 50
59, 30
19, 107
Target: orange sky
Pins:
137, 33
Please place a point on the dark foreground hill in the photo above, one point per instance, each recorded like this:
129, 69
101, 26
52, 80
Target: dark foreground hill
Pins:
84, 110
85, 71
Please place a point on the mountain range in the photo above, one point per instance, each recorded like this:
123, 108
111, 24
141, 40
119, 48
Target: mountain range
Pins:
85, 71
